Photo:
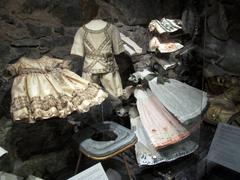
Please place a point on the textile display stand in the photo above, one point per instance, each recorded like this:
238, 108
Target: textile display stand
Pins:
103, 149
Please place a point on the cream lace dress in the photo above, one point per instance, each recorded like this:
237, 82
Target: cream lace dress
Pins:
44, 88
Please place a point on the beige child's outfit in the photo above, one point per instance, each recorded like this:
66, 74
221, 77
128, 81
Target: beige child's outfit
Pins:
98, 47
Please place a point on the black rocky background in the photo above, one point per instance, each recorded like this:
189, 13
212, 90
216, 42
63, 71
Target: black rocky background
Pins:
46, 148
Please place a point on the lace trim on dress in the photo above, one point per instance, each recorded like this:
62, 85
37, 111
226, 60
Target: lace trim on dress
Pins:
32, 70
38, 107
108, 62
96, 55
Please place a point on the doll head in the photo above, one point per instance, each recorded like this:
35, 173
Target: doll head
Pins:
152, 26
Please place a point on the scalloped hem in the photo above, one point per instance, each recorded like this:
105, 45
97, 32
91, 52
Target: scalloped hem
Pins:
40, 114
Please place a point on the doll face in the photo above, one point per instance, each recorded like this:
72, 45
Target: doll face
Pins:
133, 78
151, 27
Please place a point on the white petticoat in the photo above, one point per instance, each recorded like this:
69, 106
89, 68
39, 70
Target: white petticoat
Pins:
182, 100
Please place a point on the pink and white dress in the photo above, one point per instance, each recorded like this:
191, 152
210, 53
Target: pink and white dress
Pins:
162, 128
182, 100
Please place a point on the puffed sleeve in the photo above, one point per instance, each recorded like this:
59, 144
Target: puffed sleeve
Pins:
12, 69
65, 64
117, 41
77, 47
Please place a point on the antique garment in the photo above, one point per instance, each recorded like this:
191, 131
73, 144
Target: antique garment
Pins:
165, 25
98, 47
130, 46
183, 101
147, 155
44, 88
162, 128
164, 47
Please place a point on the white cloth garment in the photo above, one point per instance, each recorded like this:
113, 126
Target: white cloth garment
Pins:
147, 155
162, 128
165, 25
98, 46
164, 47
130, 46
183, 101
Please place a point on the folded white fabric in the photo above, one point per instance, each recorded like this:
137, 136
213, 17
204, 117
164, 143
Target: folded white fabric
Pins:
167, 47
165, 25
2, 151
130, 46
